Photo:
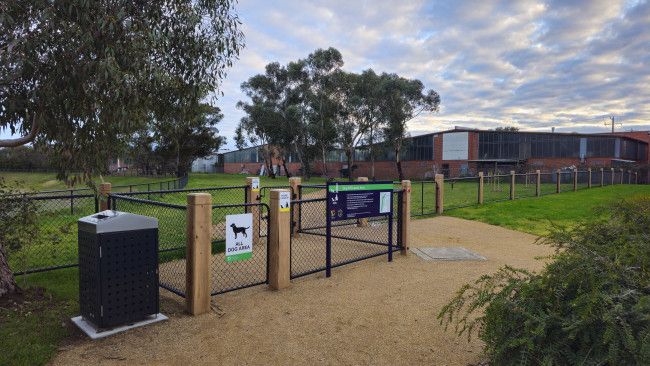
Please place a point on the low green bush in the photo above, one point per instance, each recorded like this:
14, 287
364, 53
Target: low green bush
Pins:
590, 305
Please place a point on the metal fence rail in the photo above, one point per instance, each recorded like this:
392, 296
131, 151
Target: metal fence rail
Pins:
230, 276
220, 195
172, 223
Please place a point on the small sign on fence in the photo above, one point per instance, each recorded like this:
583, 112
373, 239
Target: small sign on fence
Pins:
359, 200
239, 237
255, 184
284, 201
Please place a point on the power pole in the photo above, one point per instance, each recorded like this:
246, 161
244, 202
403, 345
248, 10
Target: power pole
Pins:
612, 122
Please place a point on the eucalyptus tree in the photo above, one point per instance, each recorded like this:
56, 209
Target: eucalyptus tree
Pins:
404, 99
79, 77
322, 66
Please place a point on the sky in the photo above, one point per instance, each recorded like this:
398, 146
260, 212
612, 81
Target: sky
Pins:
535, 65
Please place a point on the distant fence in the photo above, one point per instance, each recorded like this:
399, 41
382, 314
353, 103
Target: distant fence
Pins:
54, 242
433, 196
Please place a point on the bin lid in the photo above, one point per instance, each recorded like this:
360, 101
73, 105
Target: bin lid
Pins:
114, 221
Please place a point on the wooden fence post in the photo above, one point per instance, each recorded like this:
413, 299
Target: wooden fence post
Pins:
295, 183
557, 184
198, 253
440, 193
538, 183
104, 191
575, 180
480, 188
602, 177
636, 177
613, 175
512, 184
629, 177
279, 239
406, 216
253, 196
589, 176
362, 222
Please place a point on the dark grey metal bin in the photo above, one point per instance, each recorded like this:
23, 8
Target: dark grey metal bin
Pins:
118, 268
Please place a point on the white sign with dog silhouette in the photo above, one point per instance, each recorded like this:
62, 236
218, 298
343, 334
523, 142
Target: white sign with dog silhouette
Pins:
239, 237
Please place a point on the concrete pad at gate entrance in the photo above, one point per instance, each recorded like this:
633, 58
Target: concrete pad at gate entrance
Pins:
447, 254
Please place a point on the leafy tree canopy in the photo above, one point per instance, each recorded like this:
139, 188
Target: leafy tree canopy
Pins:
81, 76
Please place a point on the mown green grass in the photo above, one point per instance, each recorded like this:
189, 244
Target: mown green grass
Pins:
27, 182
538, 215
31, 333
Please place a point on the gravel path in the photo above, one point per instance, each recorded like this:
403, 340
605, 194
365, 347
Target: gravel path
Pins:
370, 312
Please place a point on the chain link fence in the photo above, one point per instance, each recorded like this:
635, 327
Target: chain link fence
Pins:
230, 276
53, 241
172, 241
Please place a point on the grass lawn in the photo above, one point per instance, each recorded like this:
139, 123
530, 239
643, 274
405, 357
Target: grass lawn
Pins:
47, 181
538, 215
33, 327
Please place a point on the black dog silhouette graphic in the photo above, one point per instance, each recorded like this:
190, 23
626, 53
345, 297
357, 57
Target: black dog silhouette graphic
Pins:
236, 230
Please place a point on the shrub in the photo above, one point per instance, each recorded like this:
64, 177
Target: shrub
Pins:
589, 306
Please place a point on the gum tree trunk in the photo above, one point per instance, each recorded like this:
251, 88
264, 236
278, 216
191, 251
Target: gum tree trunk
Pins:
7, 281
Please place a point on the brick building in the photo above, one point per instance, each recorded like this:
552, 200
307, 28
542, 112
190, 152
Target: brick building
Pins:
464, 152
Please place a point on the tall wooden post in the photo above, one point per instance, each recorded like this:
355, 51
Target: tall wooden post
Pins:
629, 177
480, 188
104, 191
295, 183
198, 253
575, 180
557, 183
636, 177
440, 193
362, 222
512, 184
589, 177
613, 175
253, 197
279, 239
538, 183
602, 177
406, 216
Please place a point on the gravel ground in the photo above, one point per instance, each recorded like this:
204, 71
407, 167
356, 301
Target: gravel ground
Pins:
370, 312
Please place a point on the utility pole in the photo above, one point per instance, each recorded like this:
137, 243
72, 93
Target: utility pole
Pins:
612, 122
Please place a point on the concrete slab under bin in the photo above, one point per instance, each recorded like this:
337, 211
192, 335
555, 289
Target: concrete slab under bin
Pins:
447, 254
94, 333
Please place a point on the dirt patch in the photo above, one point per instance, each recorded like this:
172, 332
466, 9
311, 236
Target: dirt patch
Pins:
370, 312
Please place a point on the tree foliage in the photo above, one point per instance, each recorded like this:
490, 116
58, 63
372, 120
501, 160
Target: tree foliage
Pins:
311, 106
589, 306
79, 77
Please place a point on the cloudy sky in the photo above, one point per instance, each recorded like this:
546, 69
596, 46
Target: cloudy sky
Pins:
530, 64
564, 63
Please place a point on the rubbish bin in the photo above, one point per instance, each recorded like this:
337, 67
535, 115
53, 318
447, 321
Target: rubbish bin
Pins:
118, 268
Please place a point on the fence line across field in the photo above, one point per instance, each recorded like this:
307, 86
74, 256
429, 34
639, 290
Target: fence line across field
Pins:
54, 245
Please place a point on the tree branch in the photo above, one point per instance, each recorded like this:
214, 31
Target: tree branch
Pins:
25, 139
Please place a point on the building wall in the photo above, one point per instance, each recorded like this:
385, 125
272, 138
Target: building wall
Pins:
426, 169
